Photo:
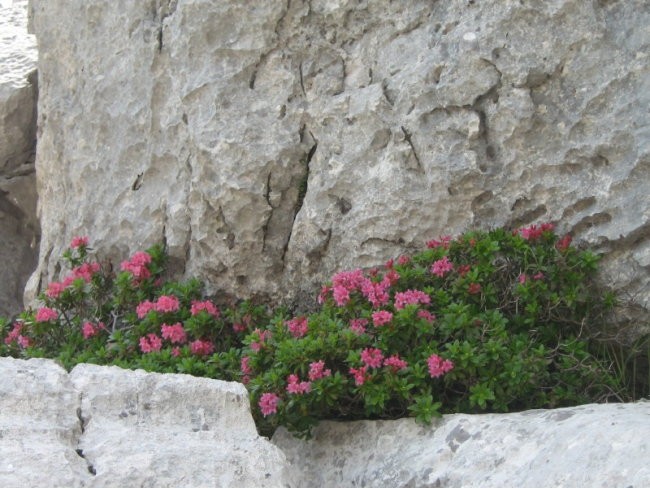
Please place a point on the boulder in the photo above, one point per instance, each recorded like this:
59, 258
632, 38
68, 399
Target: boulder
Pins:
148, 429
588, 446
18, 94
269, 145
39, 426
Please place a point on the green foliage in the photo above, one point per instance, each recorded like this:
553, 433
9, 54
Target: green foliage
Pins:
489, 322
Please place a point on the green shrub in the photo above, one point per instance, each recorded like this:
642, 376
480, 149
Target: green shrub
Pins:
489, 321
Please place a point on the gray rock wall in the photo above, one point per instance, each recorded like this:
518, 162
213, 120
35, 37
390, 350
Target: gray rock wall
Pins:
271, 143
108, 427
19, 229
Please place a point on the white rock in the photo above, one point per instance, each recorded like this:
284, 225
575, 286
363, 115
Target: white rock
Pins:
147, 429
397, 130
39, 427
590, 446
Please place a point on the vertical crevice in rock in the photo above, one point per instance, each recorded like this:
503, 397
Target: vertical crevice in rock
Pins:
82, 428
409, 140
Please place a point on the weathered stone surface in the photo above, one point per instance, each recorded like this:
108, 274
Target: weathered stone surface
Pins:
589, 446
148, 429
39, 427
272, 143
19, 229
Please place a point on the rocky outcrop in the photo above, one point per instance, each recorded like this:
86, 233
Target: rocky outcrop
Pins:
108, 427
588, 446
270, 145
18, 92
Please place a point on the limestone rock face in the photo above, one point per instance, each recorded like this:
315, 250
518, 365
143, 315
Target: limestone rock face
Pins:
589, 446
108, 427
19, 229
272, 143
146, 429
39, 427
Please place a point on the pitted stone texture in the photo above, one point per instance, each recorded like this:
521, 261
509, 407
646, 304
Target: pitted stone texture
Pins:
18, 93
148, 429
271, 145
595, 446
39, 427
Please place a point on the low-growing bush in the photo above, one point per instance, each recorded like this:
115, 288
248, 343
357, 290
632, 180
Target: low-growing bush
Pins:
489, 321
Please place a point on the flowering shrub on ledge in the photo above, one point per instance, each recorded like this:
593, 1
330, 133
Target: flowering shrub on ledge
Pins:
489, 321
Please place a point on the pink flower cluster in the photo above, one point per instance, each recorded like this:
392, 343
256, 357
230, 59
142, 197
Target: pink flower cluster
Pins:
15, 335
534, 232
347, 282
564, 243
317, 370
164, 304
382, 317
297, 327
174, 333
372, 357
150, 343
201, 347
85, 271
442, 267
137, 266
426, 315
523, 278
206, 305
360, 375
297, 387
395, 363
269, 403
403, 260
243, 325
79, 241
88, 329
438, 366
443, 242
474, 288
410, 297
246, 369
46, 314
358, 326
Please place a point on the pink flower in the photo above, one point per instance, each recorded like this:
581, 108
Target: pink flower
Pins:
341, 295
391, 277
474, 288
55, 289
174, 333
85, 271
358, 326
46, 314
522, 278
360, 375
150, 343
297, 387
23, 341
350, 280
410, 297
533, 232
538, 276
381, 317
376, 293
144, 308
238, 327
268, 403
403, 260
443, 242
426, 315
137, 265
79, 241
167, 303
176, 352
88, 330
390, 263
564, 243
464, 269
372, 357
201, 348
14, 333
438, 366
395, 363
297, 327
245, 365
322, 296
206, 305
442, 267
317, 370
